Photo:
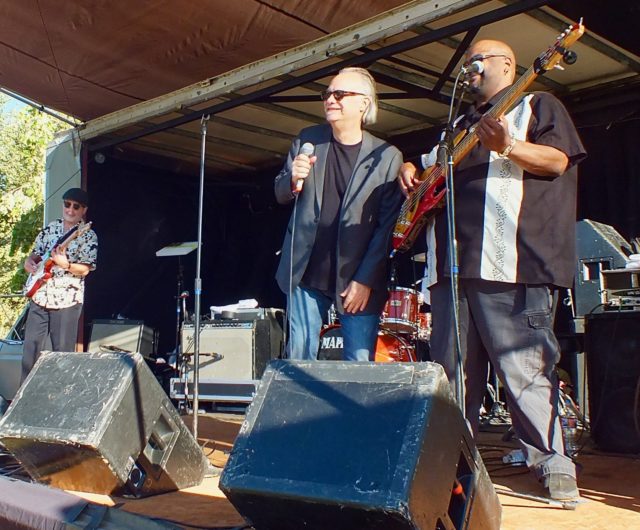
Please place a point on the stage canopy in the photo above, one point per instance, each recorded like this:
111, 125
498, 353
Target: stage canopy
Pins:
138, 75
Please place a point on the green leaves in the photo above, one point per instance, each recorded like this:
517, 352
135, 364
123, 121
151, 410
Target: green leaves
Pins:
24, 135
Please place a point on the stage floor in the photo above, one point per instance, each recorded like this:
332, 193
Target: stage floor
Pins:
609, 486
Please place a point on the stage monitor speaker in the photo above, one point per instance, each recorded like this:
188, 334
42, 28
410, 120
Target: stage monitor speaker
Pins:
599, 248
121, 335
101, 423
612, 346
345, 445
244, 348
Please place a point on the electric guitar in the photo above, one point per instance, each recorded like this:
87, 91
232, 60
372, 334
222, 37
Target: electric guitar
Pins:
43, 273
429, 196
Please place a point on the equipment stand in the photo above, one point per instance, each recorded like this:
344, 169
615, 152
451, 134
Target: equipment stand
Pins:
197, 289
445, 160
179, 250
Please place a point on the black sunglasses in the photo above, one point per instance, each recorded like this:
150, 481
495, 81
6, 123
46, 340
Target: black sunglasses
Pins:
482, 57
338, 94
75, 205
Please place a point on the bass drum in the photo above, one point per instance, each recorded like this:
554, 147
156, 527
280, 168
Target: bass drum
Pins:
390, 347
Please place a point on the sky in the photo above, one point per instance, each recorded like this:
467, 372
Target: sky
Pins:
12, 104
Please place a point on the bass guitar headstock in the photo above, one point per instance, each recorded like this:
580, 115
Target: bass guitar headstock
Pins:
560, 51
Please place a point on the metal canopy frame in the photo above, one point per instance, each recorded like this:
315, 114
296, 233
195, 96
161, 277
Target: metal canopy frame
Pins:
468, 25
358, 45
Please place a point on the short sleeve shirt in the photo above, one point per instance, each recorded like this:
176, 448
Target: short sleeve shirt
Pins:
64, 289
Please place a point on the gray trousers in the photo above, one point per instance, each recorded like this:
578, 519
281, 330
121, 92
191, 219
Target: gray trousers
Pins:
509, 325
61, 325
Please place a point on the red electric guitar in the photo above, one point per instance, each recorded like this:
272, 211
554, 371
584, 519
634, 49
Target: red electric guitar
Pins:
429, 196
43, 273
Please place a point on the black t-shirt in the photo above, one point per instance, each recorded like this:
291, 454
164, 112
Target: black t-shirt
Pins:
321, 269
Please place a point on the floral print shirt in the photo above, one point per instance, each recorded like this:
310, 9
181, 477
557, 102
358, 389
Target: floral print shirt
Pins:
64, 289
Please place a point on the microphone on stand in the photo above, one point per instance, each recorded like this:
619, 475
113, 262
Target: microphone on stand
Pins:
306, 149
476, 67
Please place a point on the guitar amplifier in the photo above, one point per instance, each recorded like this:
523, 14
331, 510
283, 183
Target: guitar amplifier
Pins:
233, 357
121, 335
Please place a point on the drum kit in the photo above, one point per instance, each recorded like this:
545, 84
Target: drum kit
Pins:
402, 329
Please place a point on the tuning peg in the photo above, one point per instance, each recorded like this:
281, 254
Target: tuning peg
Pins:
558, 67
569, 56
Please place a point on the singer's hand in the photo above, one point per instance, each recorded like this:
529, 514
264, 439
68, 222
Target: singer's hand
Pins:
407, 179
300, 169
355, 297
493, 134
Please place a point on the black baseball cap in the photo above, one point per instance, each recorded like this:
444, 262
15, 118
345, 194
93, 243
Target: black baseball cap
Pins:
78, 195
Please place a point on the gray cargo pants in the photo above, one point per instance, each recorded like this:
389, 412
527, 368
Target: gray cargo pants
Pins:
509, 325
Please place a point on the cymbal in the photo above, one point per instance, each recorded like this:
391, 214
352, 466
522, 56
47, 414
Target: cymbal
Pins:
420, 258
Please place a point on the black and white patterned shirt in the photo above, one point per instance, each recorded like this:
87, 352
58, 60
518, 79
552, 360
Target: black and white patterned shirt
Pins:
512, 226
64, 289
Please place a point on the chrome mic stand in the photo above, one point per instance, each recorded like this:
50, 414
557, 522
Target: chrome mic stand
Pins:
197, 290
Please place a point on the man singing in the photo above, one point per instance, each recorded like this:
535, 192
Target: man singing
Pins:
336, 245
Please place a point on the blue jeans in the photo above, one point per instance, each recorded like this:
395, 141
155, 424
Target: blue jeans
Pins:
308, 311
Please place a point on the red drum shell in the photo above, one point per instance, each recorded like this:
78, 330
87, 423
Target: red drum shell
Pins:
390, 347
424, 326
400, 314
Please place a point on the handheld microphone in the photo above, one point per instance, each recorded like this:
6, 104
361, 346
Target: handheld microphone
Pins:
306, 149
476, 67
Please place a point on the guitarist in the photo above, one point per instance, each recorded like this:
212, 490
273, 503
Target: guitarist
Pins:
515, 198
55, 307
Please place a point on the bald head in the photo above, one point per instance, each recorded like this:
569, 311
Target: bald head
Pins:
499, 63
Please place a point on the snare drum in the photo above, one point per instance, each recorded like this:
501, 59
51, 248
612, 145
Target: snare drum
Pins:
400, 314
389, 346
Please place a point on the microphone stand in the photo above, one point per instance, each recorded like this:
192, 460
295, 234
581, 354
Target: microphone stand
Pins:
197, 290
445, 160
179, 314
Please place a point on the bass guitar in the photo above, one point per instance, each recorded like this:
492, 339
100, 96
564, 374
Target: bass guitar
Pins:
429, 195
44, 271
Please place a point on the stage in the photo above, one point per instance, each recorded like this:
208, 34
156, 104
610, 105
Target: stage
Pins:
609, 488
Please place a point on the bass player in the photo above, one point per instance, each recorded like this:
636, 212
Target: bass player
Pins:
515, 198
54, 309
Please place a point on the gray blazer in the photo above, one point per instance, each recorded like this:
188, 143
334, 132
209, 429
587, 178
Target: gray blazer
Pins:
369, 210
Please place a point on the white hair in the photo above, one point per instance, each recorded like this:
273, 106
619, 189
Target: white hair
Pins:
371, 113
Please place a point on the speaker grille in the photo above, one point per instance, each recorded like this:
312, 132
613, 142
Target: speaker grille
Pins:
612, 346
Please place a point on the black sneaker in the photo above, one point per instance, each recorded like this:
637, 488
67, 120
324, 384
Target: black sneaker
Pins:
561, 487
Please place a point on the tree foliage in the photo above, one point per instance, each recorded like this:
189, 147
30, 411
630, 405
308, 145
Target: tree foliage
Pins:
24, 135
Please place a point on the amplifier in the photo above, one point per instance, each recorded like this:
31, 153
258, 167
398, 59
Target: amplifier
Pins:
621, 289
600, 248
233, 357
121, 335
